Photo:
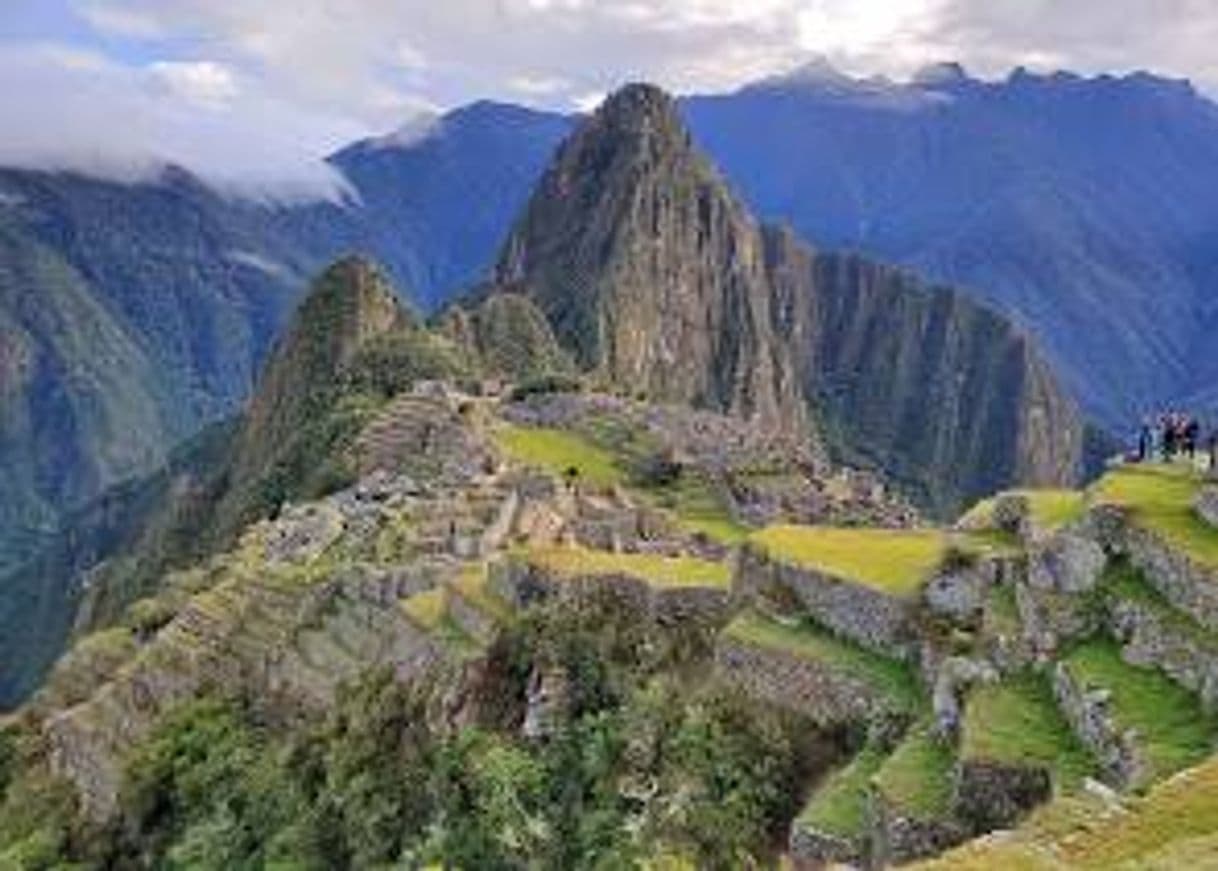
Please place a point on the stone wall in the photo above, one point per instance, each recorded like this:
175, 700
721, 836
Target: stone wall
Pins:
523, 584
811, 848
1185, 583
827, 695
992, 795
899, 838
1116, 751
1149, 638
879, 622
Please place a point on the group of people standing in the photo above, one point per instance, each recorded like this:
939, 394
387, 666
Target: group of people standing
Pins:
1175, 435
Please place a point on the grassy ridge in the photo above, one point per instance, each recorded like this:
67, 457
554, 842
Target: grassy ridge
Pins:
839, 805
917, 778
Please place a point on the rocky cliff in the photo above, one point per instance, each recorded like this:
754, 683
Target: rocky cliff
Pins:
951, 399
650, 272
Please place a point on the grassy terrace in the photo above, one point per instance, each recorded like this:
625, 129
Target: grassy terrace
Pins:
471, 585
917, 778
1018, 722
557, 450
659, 571
1173, 729
896, 562
1160, 497
1173, 826
425, 609
888, 677
1051, 509
839, 805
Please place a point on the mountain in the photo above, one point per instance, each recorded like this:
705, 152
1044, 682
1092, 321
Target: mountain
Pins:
1086, 208
657, 280
648, 269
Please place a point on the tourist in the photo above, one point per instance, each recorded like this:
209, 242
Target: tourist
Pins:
1146, 440
1192, 433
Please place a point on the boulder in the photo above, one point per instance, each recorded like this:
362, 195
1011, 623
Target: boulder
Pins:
1206, 504
1066, 564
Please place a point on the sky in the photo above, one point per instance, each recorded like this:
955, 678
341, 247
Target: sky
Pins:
254, 92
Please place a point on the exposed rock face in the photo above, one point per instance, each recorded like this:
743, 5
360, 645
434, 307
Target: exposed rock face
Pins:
1066, 563
648, 269
946, 396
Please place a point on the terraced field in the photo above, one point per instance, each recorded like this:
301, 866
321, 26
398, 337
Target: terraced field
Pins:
897, 562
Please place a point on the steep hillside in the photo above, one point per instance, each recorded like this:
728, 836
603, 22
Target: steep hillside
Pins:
948, 397
647, 268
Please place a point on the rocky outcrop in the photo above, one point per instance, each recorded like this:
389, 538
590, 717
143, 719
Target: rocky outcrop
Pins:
866, 616
647, 268
1066, 563
509, 336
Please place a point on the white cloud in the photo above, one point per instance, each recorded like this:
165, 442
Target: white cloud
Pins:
263, 83
203, 83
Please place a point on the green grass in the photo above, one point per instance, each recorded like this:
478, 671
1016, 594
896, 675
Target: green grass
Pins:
889, 678
1160, 498
657, 570
425, 609
917, 778
556, 451
839, 805
892, 561
1173, 826
471, 585
1050, 509
698, 509
1017, 722
1173, 729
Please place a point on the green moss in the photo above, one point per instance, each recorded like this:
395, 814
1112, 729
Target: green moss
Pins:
556, 451
1017, 722
655, 569
889, 678
1160, 497
1172, 727
892, 561
425, 609
839, 805
916, 780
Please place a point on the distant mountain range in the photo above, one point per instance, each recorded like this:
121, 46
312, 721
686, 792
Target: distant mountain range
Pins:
1085, 208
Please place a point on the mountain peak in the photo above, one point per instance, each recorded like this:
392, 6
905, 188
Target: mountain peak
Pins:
941, 74
641, 111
